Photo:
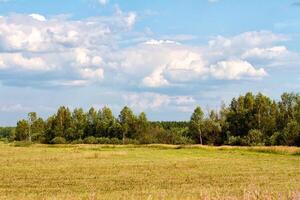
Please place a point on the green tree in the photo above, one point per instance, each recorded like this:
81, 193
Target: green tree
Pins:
92, 120
62, 122
78, 125
38, 130
142, 125
196, 124
127, 120
254, 137
292, 132
105, 123
212, 132
22, 130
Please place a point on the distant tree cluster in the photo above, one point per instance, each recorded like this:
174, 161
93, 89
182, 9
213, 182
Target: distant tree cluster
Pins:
248, 120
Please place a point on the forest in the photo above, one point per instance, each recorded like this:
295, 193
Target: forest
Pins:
248, 120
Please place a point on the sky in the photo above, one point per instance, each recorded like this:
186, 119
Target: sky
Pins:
162, 57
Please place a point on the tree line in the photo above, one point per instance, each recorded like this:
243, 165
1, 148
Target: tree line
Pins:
250, 119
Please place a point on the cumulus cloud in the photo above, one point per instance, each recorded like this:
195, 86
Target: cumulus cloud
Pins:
146, 101
71, 50
156, 79
38, 17
169, 63
64, 52
154, 101
236, 70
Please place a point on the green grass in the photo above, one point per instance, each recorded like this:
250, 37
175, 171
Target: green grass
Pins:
148, 172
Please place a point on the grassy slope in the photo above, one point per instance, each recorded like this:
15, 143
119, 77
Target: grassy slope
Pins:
157, 172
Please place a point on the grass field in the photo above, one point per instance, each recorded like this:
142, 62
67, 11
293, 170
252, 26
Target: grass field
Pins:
148, 172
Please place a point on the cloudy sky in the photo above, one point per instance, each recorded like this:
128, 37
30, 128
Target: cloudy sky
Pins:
162, 57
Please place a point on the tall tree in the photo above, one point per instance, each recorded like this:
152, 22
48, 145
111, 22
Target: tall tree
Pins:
78, 125
127, 120
196, 124
92, 120
62, 121
22, 130
32, 117
105, 123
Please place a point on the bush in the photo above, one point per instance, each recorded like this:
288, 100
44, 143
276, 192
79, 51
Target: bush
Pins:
237, 141
255, 138
115, 141
79, 141
58, 140
278, 138
103, 140
173, 137
90, 140
131, 141
4, 140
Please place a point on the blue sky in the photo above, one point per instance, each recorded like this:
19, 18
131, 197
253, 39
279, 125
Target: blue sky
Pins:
162, 57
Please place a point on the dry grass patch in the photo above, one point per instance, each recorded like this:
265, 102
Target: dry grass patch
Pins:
148, 172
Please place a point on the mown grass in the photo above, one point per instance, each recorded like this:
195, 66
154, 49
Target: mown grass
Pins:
148, 172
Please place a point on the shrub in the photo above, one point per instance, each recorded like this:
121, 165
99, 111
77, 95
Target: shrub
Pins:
79, 141
58, 140
131, 141
254, 138
172, 137
115, 141
103, 140
278, 138
237, 141
90, 140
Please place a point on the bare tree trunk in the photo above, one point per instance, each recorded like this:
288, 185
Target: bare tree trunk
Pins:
29, 138
200, 134
123, 138
29, 130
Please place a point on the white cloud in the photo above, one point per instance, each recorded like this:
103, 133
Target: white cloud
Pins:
235, 70
71, 83
19, 61
14, 108
131, 18
156, 79
90, 74
247, 39
160, 42
71, 50
88, 51
266, 53
146, 101
183, 100
103, 2
38, 17
154, 101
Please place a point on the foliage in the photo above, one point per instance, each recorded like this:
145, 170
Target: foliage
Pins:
58, 140
90, 140
255, 138
248, 120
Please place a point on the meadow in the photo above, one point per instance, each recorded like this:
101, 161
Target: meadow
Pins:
148, 172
